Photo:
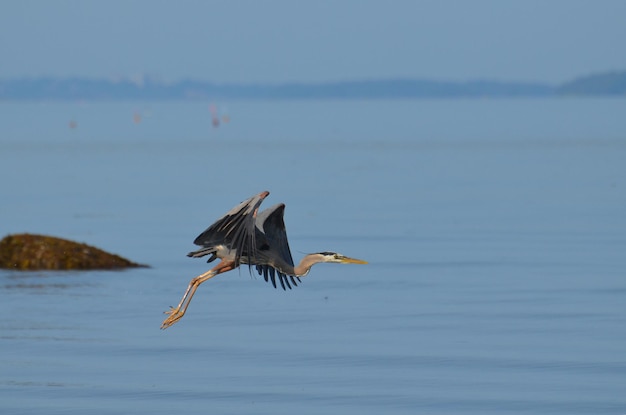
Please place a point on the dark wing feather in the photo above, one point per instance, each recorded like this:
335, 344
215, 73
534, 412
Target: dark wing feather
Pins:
282, 281
272, 224
283, 277
274, 246
270, 272
235, 230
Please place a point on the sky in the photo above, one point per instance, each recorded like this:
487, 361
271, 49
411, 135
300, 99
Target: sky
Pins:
281, 41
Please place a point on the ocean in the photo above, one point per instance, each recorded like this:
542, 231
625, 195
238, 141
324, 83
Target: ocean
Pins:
495, 232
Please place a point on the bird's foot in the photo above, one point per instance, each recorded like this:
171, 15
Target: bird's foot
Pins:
174, 315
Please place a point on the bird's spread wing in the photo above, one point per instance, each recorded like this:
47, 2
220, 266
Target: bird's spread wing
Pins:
235, 230
274, 247
270, 221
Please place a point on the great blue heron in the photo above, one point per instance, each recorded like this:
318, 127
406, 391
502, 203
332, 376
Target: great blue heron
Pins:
245, 236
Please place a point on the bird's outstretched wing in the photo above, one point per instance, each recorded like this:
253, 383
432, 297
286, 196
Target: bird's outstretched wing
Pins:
235, 230
272, 224
274, 247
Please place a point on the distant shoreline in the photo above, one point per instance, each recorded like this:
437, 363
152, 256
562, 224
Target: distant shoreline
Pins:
611, 84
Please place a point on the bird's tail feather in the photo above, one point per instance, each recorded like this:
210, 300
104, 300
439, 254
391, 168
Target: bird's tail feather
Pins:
202, 252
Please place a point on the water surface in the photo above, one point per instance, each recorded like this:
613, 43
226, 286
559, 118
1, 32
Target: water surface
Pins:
495, 231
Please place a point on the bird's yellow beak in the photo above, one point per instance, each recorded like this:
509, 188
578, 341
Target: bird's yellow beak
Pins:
348, 260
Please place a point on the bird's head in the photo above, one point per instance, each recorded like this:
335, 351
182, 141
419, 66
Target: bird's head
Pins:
336, 258
331, 257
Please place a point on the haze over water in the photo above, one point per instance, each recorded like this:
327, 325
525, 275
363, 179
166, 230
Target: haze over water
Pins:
495, 232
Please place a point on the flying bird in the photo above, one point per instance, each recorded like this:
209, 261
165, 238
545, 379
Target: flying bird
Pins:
246, 236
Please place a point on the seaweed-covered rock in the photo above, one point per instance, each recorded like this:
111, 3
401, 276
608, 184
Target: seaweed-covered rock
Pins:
38, 252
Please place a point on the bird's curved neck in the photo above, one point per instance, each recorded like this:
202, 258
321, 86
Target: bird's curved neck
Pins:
303, 268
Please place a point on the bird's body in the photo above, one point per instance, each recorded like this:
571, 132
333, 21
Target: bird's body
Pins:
246, 236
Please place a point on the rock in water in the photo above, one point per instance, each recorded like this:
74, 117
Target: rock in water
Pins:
38, 252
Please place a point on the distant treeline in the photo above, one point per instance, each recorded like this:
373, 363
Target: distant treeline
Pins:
612, 83
608, 84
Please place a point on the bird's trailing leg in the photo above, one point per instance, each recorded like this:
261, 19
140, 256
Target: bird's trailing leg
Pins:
177, 313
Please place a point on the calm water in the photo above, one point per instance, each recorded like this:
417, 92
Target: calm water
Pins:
495, 231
